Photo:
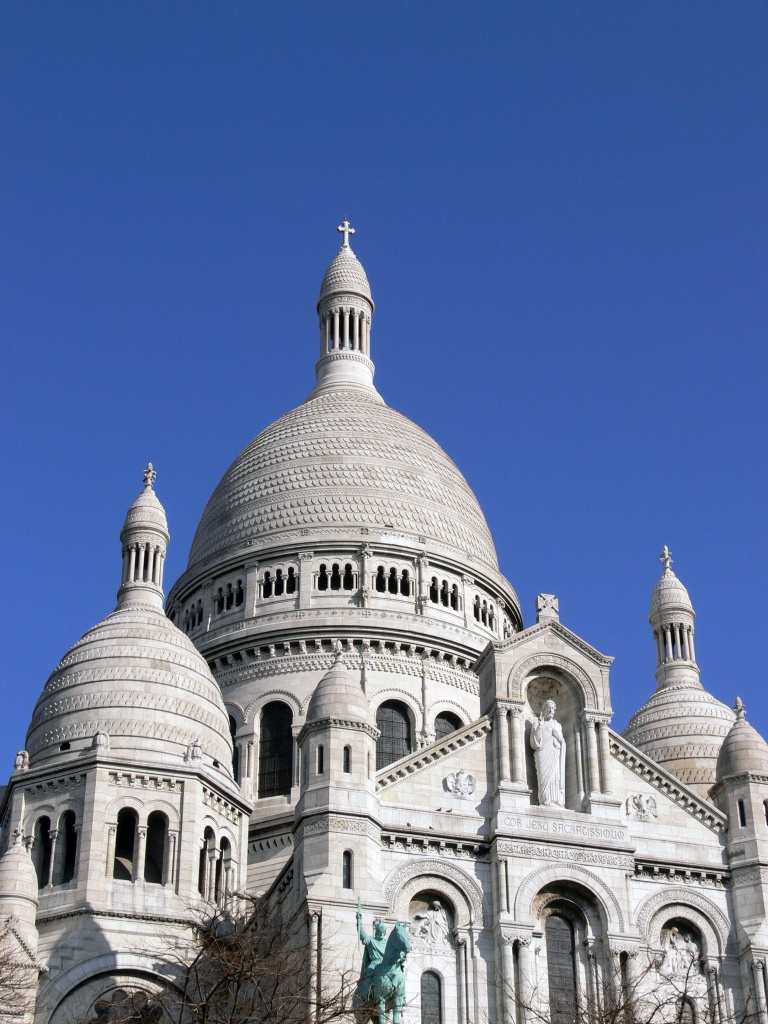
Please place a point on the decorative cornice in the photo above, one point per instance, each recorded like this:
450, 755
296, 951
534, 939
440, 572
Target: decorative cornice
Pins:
666, 784
438, 751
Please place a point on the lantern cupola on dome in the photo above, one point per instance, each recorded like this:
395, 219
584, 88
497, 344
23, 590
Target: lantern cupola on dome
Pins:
345, 309
145, 539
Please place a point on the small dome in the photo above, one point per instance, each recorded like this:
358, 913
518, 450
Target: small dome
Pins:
669, 591
743, 750
18, 878
345, 274
137, 678
147, 512
338, 695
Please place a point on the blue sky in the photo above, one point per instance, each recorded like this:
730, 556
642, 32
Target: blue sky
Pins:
562, 211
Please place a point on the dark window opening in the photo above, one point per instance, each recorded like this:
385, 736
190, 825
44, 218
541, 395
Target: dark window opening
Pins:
445, 724
742, 814
561, 970
322, 578
455, 597
381, 582
42, 850
218, 602
335, 577
320, 759
346, 870
392, 586
393, 723
444, 598
275, 750
290, 583
347, 760
431, 998
154, 857
476, 609
65, 746
230, 597
349, 580
405, 584
239, 594
279, 583
433, 594
266, 586
235, 750
204, 859
68, 836
125, 840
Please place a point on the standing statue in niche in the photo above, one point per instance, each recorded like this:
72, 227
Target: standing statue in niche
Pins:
433, 925
549, 752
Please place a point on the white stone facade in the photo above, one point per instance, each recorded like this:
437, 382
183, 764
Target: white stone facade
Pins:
343, 703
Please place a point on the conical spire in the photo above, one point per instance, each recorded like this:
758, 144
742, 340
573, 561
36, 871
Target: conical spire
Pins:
144, 538
345, 309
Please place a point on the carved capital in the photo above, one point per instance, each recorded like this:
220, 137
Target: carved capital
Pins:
305, 556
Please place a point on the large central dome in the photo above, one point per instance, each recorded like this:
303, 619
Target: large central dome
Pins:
343, 459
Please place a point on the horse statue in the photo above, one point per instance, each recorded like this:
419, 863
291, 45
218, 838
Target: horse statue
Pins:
382, 983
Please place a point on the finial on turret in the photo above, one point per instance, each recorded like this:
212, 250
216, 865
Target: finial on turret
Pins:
741, 711
666, 558
346, 229
149, 477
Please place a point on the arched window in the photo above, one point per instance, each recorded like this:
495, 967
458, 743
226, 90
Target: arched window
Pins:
290, 583
223, 869
742, 815
381, 581
335, 577
392, 585
275, 750
320, 759
347, 760
405, 583
346, 870
42, 850
218, 602
67, 853
561, 970
206, 853
431, 998
154, 857
476, 608
266, 586
239, 594
444, 598
446, 723
199, 618
235, 749
279, 583
455, 597
393, 723
348, 582
322, 578
686, 1011
125, 841
433, 592
230, 597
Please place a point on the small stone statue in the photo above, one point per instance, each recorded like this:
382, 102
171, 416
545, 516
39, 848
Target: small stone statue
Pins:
461, 783
21, 761
194, 751
100, 741
549, 753
433, 926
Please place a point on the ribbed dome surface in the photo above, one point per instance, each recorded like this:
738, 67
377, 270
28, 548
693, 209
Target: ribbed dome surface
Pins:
338, 695
138, 678
669, 591
743, 751
342, 459
345, 273
682, 729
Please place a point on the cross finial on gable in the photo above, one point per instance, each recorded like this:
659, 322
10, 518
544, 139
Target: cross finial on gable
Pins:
666, 558
149, 477
346, 229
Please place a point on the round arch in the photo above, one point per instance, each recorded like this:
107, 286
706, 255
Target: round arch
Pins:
692, 906
538, 664
253, 711
402, 884
551, 874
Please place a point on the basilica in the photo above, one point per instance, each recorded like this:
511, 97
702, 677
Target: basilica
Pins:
340, 705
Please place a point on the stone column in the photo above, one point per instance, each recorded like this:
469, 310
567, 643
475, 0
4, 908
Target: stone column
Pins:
526, 981
758, 972
111, 835
422, 567
690, 645
605, 757
594, 767
335, 331
668, 643
363, 581
53, 835
345, 328
251, 589
508, 978
502, 743
713, 992
467, 583
169, 866
461, 980
131, 562
518, 746
314, 958
140, 849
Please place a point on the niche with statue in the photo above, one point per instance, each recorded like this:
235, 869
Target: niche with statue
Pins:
554, 743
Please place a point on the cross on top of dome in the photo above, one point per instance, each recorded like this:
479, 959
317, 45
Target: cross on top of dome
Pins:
666, 558
346, 229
